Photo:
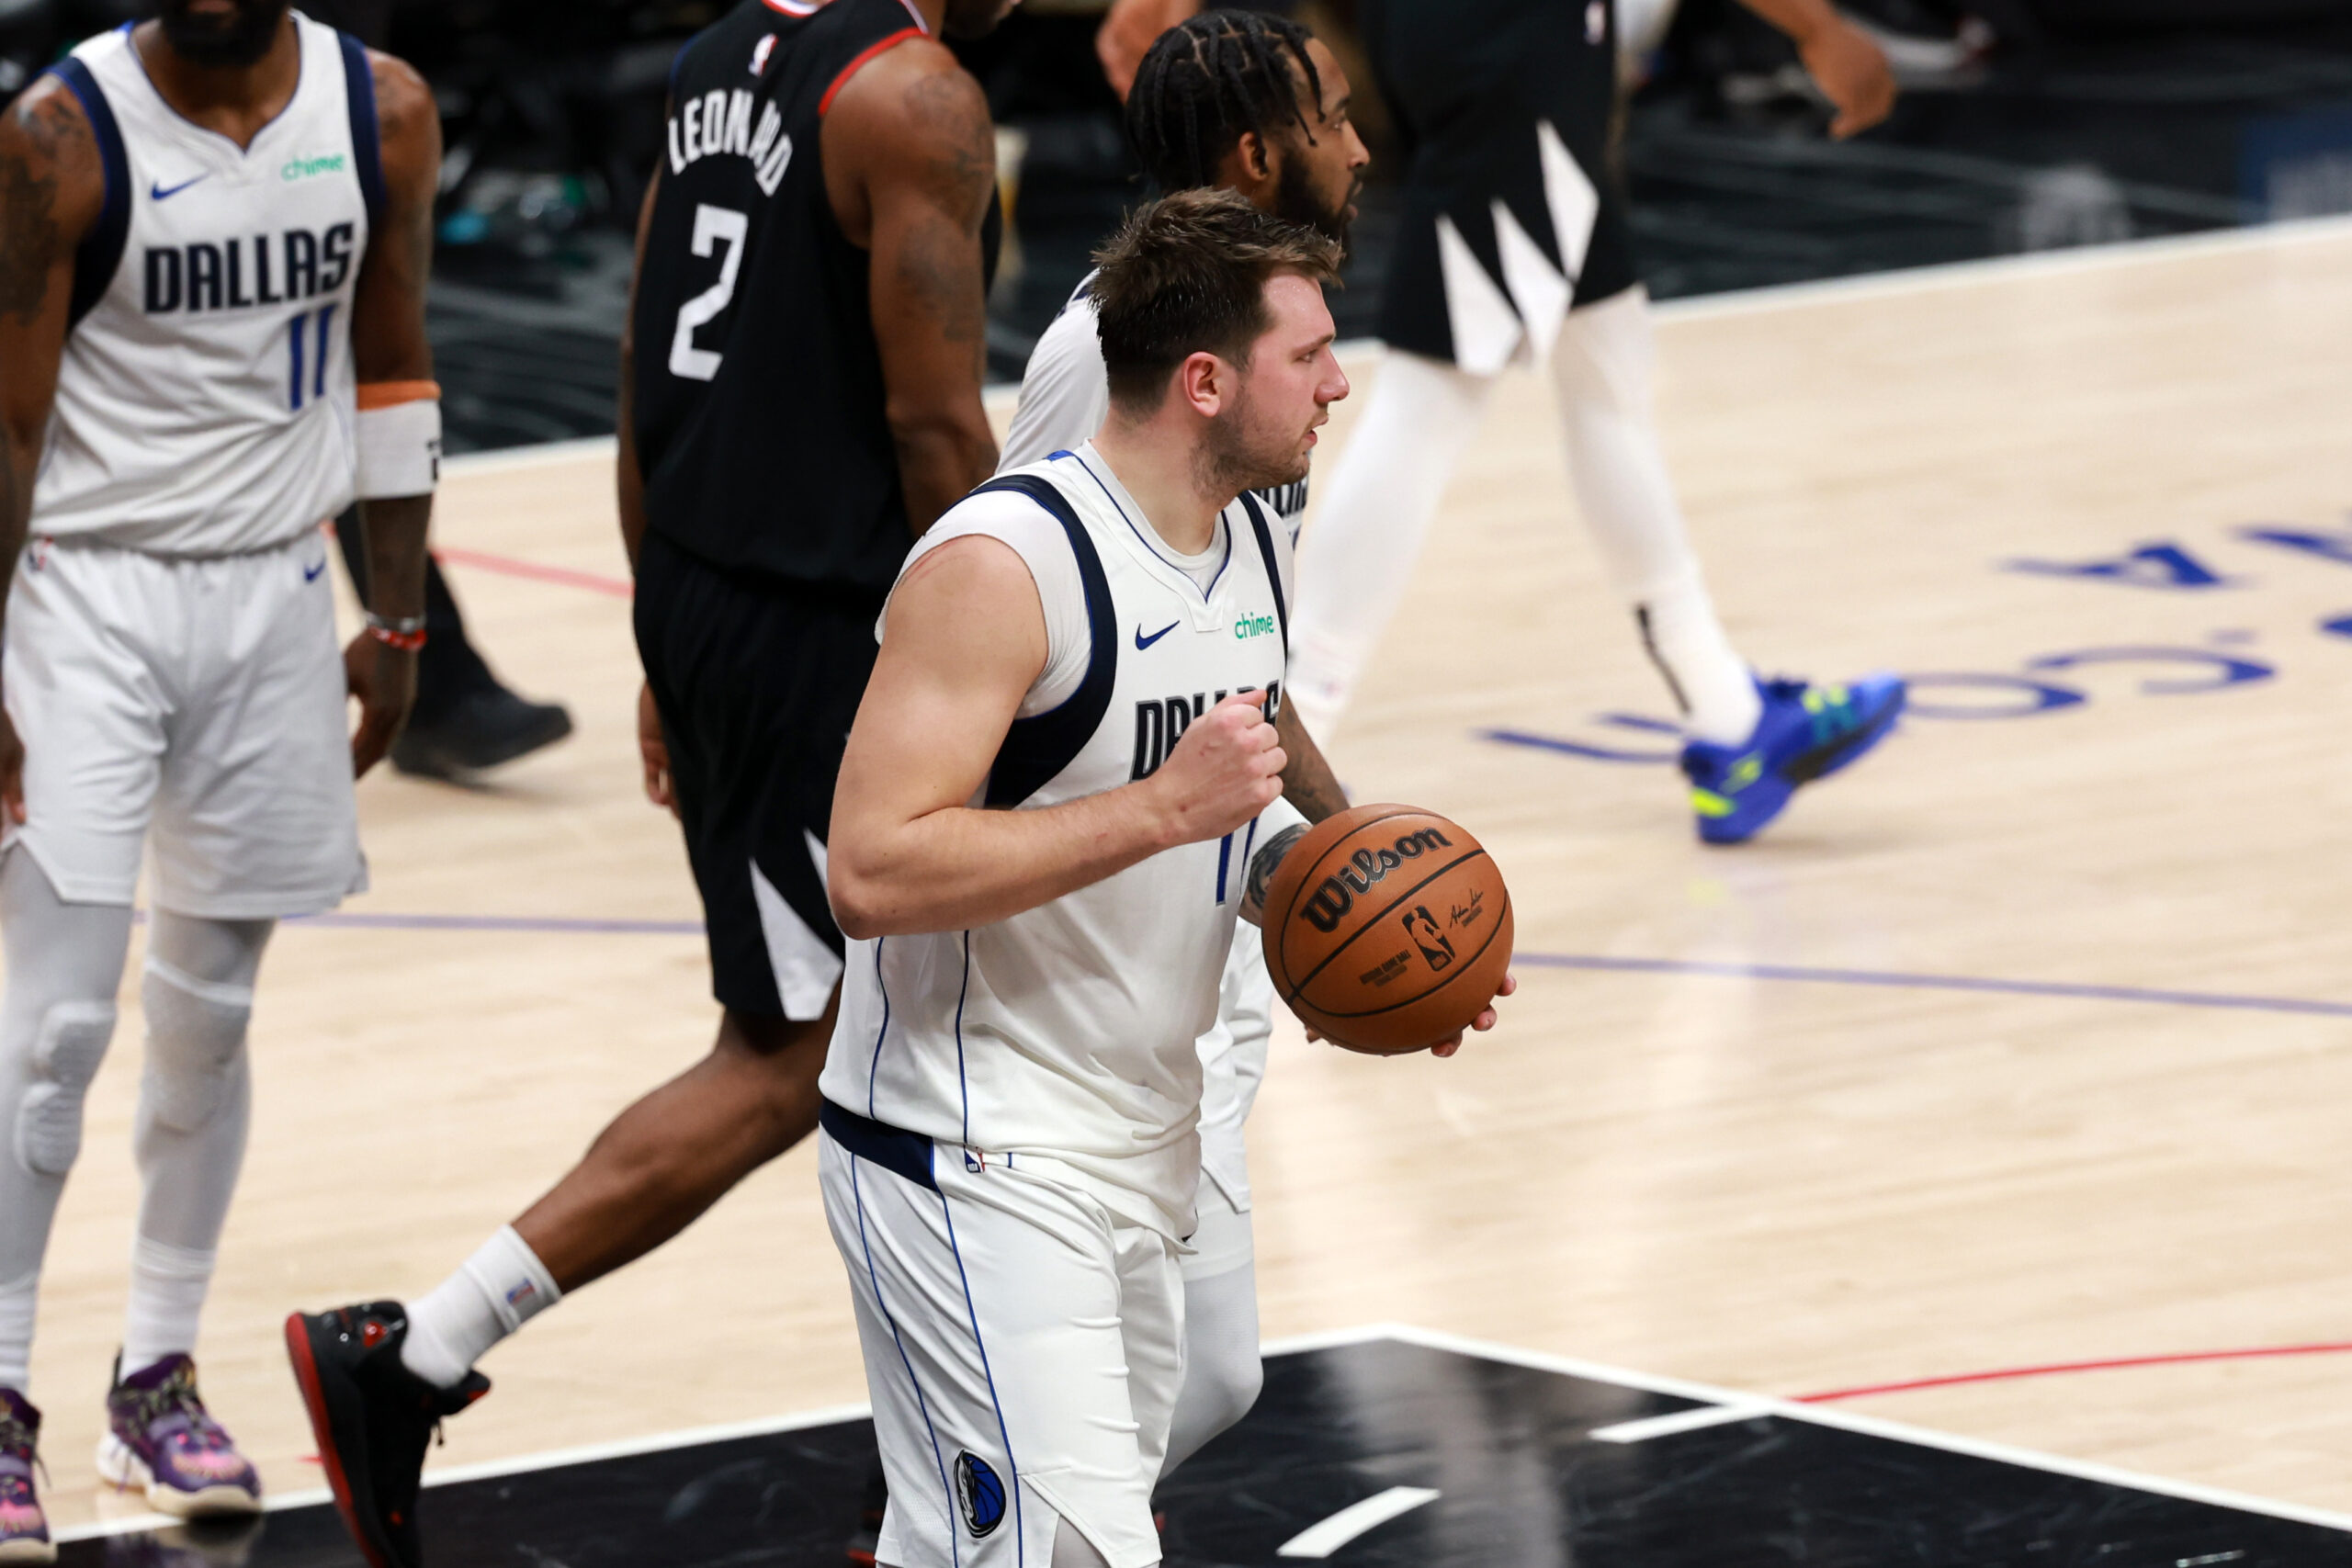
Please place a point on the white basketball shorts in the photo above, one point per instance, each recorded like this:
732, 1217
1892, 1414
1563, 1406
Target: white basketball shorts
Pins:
1024, 1347
202, 697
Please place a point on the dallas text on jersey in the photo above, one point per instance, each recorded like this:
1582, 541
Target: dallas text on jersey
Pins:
206, 275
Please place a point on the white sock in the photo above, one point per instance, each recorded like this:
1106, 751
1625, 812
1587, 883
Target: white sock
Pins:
1370, 524
1602, 369
16, 1301
167, 1288
501, 1286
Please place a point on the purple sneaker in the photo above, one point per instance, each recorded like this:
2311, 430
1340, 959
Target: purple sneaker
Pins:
165, 1444
24, 1529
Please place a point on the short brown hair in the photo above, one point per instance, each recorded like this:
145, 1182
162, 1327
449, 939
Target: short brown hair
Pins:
1187, 275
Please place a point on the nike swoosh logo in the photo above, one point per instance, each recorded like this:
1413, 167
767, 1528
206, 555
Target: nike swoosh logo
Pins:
160, 192
1143, 642
311, 573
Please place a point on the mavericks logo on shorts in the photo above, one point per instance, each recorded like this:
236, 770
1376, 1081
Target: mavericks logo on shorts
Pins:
979, 1492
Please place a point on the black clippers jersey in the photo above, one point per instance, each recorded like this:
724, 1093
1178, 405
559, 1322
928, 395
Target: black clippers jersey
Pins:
758, 403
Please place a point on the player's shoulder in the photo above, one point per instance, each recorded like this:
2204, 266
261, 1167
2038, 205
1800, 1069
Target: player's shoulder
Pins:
404, 102
914, 90
1000, 504
46, 133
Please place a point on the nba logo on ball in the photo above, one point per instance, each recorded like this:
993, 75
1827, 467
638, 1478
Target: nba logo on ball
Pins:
979, 1492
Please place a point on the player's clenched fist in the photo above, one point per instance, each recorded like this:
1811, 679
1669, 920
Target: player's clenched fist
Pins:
1225, 770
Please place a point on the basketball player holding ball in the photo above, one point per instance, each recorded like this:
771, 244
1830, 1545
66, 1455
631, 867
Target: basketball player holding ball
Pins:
1040, 863
1253, 102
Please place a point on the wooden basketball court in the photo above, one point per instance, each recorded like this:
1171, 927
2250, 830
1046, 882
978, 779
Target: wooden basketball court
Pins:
2028, 1042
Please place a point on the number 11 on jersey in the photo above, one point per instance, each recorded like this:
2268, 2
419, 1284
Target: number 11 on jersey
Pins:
294, 331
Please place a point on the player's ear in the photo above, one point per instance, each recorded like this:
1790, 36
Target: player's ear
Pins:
1256, 156
1203, 382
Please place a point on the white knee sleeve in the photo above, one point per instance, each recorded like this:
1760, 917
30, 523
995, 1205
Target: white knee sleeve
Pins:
196, 1038
70, 1043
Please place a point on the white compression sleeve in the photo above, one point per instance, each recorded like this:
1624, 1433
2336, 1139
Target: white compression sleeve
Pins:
1604, 370
1223, 1370
1371, 522
194, 1109
64, 965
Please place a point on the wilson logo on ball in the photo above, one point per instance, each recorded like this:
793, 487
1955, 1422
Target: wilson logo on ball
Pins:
1330, 902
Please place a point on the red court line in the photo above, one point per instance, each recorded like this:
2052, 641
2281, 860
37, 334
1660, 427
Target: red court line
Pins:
2008, 1374
594, 582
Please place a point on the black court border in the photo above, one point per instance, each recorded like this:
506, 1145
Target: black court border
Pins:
1745, 1405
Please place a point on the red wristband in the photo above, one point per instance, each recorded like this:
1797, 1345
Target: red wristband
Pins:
407, 633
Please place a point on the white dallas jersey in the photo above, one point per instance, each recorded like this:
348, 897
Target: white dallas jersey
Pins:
205, 400
1063, 1038
1065, 392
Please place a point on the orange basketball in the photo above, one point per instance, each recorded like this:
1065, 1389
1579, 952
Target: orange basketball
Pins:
1387, 929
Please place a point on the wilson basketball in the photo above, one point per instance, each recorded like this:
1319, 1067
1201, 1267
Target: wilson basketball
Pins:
1387, 929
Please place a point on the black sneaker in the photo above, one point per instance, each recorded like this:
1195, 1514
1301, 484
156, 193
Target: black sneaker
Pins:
482, 729
373, 1419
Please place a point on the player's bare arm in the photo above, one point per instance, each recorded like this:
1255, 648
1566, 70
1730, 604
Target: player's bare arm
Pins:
964, 640
1127, 33
1844, 62
52, 188
1308, 781
909, 159
389, 346
653, 751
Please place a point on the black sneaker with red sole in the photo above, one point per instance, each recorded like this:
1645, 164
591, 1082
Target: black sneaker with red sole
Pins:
373, 1419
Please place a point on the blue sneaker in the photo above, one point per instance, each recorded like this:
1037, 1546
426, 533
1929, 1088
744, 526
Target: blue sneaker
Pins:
1806, 732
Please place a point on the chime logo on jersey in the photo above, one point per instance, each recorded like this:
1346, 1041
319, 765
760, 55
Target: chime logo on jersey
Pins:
309, 168
978, 1493
720, 123
1161, 722
251, 270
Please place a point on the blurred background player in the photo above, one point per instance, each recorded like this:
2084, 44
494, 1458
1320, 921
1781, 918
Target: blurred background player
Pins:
465, 719
1514, 243
818, 223
1251, 103
182, 329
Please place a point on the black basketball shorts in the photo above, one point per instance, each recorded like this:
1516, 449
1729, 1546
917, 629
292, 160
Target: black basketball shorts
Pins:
758, 683
1488, 95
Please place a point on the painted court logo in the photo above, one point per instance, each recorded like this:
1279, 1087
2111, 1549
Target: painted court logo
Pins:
978, 1493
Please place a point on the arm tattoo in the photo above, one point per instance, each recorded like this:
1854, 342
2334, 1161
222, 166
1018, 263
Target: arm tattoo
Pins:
29, 239
1269, 856
940, 106
937, 266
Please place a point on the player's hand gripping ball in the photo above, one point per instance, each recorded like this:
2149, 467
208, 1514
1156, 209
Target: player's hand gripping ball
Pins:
1387, 929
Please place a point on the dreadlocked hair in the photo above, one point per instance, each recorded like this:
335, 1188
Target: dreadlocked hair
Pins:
1209, 81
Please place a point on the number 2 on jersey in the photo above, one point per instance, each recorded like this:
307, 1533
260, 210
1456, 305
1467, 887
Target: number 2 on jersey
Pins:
294, 329
713, 225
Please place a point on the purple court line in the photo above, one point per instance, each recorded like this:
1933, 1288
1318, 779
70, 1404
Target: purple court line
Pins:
1898, 981
1797, 974
538, 924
